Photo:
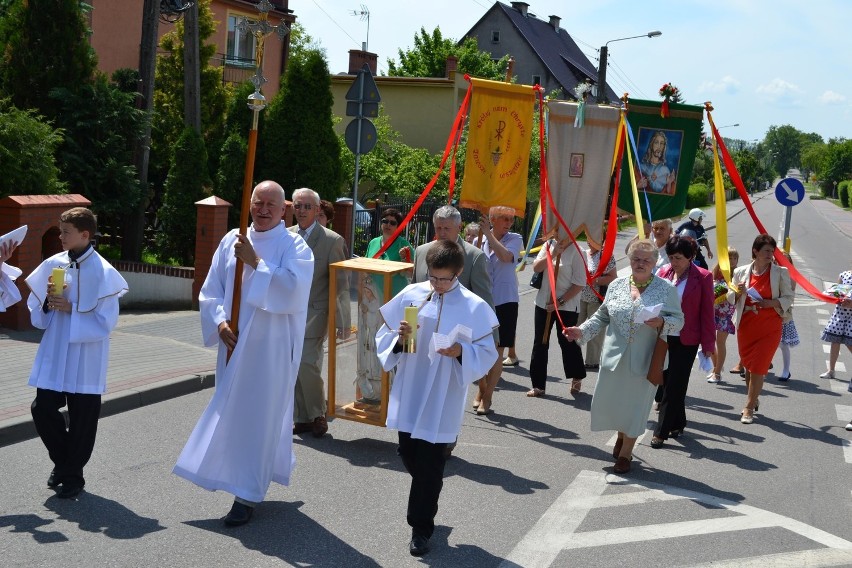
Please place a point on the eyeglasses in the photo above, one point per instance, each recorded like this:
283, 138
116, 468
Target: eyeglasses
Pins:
305, 206
438, 280
391, 222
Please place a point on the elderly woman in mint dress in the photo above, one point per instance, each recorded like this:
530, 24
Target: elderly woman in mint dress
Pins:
623, 394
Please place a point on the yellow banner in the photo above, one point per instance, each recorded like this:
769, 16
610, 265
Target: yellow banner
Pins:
721, 213
637, 206
500, 129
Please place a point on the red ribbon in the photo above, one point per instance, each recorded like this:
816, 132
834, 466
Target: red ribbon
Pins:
779, 256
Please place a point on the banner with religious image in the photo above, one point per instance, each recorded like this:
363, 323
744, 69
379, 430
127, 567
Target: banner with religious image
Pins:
579, 165
665, 153
498, 146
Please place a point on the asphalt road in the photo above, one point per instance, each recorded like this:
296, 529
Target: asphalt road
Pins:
528, 486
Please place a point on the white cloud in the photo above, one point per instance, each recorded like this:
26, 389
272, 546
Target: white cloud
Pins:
780, 91
727, 85
831, 98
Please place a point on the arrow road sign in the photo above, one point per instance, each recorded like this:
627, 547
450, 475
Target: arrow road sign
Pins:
789, 192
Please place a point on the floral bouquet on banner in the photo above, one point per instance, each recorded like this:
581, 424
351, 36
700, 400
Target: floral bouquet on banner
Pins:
839, 290
668, 92
720, 292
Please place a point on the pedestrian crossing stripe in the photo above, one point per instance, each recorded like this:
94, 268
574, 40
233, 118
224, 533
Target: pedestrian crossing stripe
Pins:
556, 530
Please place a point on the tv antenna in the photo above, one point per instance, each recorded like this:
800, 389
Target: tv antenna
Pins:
364, 14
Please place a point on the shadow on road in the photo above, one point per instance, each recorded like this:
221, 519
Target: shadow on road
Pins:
30, 523
93, 513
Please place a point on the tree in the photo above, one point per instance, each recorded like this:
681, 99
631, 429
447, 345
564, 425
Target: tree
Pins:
784, 144
394, 167
185, 185
27, 147
46, 46
301, 43
167, 124
428, 58
101, 124
298, 146
838, 164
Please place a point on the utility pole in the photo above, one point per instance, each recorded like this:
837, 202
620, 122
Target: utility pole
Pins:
191, 70
134, 221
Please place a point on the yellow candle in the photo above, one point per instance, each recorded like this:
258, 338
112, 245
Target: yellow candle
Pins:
58, 281
409, 346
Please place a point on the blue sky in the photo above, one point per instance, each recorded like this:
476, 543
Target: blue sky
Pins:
760, 62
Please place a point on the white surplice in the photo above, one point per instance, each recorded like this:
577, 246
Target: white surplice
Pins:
74, 351
243, 440
9, 293
428, 395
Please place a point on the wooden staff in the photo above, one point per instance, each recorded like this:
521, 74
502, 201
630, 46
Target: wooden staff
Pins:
545, 339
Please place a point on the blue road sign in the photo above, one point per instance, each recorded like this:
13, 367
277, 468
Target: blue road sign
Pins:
789, 192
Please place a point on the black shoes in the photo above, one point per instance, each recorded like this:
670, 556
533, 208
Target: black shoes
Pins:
51, 481
419, 545
68, 491
239, 514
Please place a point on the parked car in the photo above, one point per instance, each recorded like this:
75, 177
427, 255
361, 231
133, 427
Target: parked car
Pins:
363, 216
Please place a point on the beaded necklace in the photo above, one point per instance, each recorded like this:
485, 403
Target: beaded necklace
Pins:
641, 284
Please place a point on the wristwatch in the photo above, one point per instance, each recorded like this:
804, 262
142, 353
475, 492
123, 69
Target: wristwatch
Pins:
560, 301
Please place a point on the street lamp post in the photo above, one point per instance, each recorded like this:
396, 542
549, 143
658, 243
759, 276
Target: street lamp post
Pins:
602, 69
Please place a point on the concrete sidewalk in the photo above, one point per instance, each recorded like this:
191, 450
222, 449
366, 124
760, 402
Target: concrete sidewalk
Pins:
157, 356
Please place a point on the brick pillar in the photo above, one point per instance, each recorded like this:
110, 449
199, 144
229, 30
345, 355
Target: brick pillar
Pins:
40, 213
211, 226
288, 214
343, 221
357, 59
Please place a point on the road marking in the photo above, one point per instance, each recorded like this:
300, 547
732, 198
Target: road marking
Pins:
847, 449
826, 347
838, 386
823, 311
822, 321
844, 413
556, 530
840, 367
611, 441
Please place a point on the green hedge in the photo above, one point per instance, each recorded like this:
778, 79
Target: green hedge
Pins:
698, 195
843, 192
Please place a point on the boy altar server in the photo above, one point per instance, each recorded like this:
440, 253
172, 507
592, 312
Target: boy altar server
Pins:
71, 363
243, 439
429, 391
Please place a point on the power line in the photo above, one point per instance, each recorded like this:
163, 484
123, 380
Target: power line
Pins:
629, 81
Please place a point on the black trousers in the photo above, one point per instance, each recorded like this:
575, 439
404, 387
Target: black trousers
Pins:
672, 393
424, 461
572, 355
71, 448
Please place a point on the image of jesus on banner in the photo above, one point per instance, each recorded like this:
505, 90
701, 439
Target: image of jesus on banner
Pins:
660, 159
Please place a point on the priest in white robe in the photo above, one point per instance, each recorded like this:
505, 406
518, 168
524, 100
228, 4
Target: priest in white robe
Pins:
429, 392
243, 439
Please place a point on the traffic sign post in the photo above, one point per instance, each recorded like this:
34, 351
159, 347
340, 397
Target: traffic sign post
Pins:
789, 192
362, 102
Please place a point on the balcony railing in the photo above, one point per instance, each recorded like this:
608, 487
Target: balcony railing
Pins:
235, 70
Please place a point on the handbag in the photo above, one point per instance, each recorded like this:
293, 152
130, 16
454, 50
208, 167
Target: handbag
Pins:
535, 281
658, 359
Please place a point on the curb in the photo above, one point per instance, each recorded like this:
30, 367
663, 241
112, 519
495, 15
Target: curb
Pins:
21, 428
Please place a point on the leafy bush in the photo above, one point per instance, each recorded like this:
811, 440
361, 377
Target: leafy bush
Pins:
698, 195
843, 192
27, 148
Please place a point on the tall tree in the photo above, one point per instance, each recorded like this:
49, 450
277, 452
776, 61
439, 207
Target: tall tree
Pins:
168, 119
298, 146
45, 46
101, 124
185, 185
784, 144
428, 58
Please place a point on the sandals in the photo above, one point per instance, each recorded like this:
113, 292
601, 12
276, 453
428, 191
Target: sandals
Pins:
576, 385
657, 443
535, 393
747, 416
622, 465
509, 362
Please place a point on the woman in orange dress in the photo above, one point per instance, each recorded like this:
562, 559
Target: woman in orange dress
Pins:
763, 295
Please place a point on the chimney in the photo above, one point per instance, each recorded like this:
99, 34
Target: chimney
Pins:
554, 21
521, 7
452, 66
357, 59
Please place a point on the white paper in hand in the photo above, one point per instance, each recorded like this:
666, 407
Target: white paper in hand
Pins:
459, 334
648, 312
704, 362
754, 294
16, 236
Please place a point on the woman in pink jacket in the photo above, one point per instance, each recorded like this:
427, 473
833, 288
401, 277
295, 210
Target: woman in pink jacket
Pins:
695, 288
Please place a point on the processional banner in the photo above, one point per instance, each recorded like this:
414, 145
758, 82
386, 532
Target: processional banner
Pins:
665, 154
579, 165
498, 146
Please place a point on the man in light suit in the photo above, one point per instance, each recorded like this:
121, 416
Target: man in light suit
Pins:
328, 247
474, 276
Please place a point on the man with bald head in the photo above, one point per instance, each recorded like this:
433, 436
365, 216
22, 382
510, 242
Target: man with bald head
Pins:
242, 441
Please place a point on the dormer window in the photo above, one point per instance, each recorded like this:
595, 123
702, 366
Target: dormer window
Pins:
495, 36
